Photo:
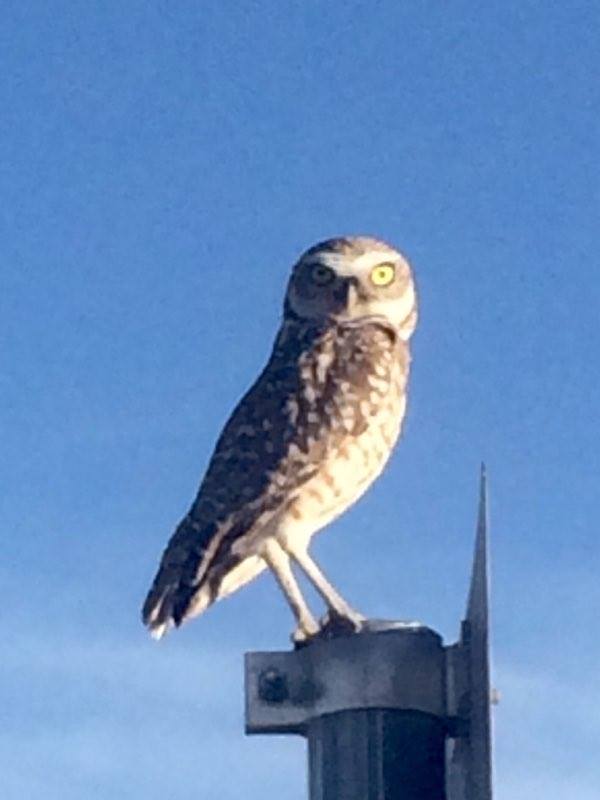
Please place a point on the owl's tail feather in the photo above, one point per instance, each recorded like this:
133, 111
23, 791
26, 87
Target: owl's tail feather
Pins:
177, 591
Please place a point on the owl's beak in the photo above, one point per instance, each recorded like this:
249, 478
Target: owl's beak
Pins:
352, 294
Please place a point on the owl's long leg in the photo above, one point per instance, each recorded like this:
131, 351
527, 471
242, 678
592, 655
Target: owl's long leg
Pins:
279, 563
334, 600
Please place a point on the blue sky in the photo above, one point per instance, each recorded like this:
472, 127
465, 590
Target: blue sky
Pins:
161, 166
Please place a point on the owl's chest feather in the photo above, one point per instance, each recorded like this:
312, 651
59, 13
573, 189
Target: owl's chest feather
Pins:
348, 416
350, 385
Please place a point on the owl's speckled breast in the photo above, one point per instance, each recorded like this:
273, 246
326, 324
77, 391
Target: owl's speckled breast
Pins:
348, 416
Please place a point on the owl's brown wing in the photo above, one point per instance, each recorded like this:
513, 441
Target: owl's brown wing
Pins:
270, 447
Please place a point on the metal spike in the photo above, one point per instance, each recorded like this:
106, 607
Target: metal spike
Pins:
477, 629
478, 603
469, 767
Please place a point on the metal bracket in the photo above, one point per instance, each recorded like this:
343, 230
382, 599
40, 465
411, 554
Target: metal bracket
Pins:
389, 665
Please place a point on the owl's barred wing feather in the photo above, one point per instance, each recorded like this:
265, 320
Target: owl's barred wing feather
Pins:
274, 442
235, 494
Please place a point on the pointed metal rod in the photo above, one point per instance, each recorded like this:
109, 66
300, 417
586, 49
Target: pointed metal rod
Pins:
469, 765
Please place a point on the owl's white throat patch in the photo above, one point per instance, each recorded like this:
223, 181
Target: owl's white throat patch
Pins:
399, 312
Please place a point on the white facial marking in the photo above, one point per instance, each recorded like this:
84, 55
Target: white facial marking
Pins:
395, 309
347, 266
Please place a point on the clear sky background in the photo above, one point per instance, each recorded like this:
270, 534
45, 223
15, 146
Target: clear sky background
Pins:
161, 166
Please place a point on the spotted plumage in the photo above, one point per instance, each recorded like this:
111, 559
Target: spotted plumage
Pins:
305, 442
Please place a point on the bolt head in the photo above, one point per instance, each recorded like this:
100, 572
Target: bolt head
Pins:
272, 686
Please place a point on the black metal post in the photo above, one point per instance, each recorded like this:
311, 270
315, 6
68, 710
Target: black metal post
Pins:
375, 754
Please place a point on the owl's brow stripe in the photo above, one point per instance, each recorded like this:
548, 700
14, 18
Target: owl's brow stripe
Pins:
348, 265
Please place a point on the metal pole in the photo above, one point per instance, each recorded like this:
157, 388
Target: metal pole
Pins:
376, 754
389, 713
372, 706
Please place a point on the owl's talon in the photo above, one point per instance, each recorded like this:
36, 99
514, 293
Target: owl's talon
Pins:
304, 634
334, 624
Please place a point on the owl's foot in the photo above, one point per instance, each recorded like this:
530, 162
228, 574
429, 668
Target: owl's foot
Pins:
306, 631
334, 624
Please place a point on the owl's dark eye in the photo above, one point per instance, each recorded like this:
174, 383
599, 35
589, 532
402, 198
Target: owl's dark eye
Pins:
322, 275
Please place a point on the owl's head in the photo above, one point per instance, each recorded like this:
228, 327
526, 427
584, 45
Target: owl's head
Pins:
350, 279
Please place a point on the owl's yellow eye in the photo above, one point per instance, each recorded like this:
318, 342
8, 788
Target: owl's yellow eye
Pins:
322, 275
383, 274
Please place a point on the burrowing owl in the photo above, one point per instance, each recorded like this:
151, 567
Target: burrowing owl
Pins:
305, 442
